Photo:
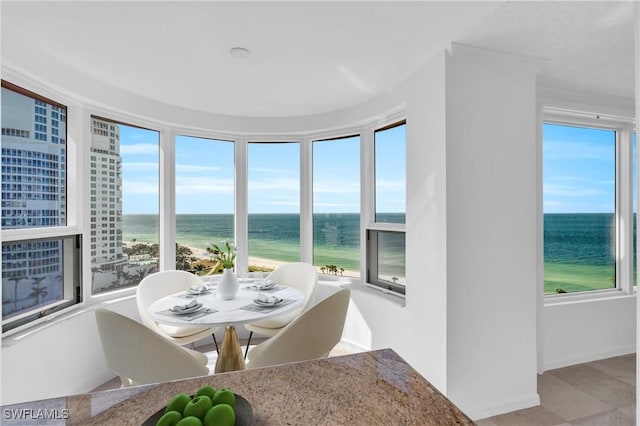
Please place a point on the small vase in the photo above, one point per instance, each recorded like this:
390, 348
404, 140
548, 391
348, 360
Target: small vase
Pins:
228, 285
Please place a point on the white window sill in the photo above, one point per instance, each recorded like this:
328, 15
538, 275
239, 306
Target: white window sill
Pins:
587, 296
13, 336
356, 284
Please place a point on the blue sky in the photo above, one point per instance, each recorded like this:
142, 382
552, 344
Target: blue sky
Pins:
578, 170
205, 174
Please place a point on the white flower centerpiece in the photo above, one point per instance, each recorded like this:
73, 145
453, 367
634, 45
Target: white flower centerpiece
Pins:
228, 284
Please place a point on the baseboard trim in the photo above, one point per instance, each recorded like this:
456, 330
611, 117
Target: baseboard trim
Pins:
582, 358
506, 406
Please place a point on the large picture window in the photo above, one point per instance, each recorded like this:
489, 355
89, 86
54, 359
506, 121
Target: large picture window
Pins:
579, 173
124, 197
274, 204
40, 253
205, 193
336, 206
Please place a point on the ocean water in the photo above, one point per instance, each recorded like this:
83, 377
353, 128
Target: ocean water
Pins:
273, 236
579, 249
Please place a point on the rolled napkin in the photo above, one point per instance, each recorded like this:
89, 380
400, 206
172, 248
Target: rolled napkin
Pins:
189, 305
267, 284
201, 288
271, 300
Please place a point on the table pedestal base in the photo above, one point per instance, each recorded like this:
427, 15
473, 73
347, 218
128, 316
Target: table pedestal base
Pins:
230, 357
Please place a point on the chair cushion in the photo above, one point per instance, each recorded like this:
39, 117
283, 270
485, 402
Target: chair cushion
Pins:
278, 321
174, 331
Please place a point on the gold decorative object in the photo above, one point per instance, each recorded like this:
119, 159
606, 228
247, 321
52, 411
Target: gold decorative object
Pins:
230, 357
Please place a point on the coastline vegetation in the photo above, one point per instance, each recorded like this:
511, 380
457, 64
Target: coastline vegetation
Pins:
185, 259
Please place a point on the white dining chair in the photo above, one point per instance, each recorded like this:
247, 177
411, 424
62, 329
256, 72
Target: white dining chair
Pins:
140, 355
312, 335
161, 284
299, 275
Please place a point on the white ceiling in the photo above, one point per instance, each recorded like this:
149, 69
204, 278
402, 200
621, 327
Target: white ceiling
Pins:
313, 57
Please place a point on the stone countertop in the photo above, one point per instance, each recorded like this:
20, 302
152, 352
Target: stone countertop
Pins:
369, 388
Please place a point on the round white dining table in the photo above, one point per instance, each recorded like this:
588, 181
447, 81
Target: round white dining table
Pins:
216, 312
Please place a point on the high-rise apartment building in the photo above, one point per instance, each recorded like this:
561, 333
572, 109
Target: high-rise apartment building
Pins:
106, 195
33, 195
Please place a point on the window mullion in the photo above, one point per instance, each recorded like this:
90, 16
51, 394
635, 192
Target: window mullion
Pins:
167, 201
306, 201
624, 211
367, 190
241, 216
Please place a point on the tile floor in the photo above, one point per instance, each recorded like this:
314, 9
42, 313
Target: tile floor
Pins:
598, 393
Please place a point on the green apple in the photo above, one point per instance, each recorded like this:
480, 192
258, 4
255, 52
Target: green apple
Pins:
190, 421
220, 415
178, 402
207, 391
198, 407
224, 396
170, 418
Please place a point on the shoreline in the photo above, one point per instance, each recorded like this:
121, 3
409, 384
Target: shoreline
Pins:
259, 262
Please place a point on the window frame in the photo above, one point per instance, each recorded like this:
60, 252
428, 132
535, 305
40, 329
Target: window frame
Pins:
72, 283
162, 218
624, 127
73, 293
328, 138
370, 255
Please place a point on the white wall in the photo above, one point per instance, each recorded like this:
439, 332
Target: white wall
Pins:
491, 232
588, 330
426, 222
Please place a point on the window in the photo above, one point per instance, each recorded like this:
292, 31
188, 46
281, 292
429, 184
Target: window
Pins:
336, 206
390, 173
39, 276
274, 203
204, 199
126, 247
40, 253
583, 192
386, 235
386, 261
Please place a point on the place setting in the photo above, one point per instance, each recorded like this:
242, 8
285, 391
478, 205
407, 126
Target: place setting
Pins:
266, 285
264, 303
189, 311
196, 291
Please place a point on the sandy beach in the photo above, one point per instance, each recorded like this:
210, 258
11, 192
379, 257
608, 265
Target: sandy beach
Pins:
203, 254
259, 262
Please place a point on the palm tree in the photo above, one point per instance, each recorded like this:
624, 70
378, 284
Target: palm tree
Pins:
140, 274
37, 290
121, 277
15, 280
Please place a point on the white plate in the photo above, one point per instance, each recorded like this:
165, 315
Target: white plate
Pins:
190, 310
261, 303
